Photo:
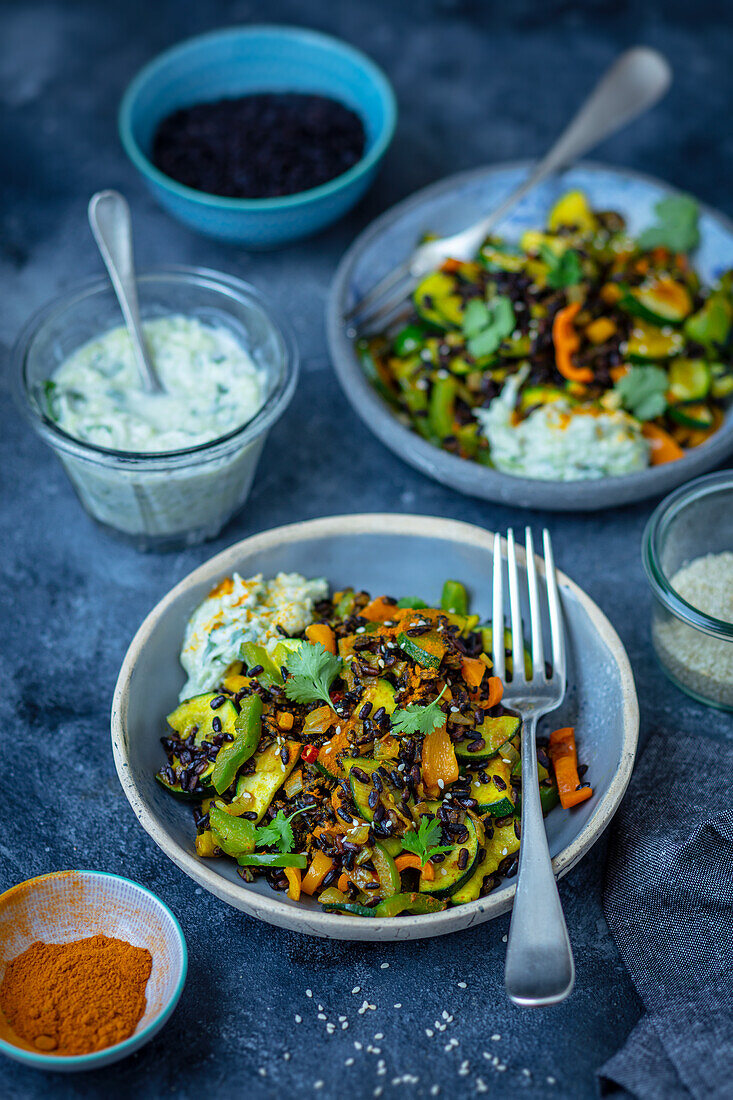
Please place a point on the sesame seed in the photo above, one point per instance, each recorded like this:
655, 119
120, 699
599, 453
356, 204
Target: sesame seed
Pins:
309, 992
551, 1081
526, 1073
262, 1071
349, 1062
357, 1045
398, 1005
501, 1067
378, 1036
463, 985
445, 1015
286, 1055
344, 1025
298, 1019
429, 1032
496, 1038
322, 1016
441, 784
356, 989
384, 966
318, 1084
320, 1008
481, 1085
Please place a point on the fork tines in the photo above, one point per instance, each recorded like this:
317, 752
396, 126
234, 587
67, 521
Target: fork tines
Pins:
539, 671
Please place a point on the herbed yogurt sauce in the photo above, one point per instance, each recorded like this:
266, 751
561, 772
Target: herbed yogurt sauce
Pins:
211, 386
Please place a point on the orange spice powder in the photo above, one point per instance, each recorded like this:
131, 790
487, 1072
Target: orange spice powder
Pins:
75, 998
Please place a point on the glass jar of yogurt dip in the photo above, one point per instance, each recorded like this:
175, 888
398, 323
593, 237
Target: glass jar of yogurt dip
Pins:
162, 471
687, 552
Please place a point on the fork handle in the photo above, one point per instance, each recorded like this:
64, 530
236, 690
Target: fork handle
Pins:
633, 84
539, 960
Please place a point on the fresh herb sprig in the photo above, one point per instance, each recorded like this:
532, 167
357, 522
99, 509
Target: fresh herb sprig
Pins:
422, 841
643, 391
565, 270
676, 227
487, 325
415, 718
278, 833
312, 671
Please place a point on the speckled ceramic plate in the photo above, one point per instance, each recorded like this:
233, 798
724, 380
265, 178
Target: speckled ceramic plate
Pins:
450, 205
381, 553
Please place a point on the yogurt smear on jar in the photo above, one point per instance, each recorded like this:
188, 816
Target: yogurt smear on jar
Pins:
211, 384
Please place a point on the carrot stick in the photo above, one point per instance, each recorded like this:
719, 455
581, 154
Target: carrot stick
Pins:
663, 446
564, 759
379, 611
321, 632
411, 860
496, 692
343, 883
567, 342
472, 671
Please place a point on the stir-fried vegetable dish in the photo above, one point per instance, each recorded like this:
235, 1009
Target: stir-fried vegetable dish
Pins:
368, 762
579, 320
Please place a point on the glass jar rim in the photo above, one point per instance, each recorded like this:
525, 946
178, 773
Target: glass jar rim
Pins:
669, 509
274, 405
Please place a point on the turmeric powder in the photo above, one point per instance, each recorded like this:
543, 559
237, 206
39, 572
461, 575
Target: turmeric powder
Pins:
75, 998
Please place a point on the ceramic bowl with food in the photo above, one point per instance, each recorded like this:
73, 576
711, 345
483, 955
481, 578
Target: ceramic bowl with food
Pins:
382, 554
582, 392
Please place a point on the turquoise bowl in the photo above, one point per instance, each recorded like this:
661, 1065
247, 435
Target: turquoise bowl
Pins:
71, 905
233, 62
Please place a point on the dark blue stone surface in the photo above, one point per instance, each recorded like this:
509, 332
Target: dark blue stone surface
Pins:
476, 83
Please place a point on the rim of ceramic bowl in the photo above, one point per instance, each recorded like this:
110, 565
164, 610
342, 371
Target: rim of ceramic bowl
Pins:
332, 925
137, 1039
653, 537
470, 477
273, 407
285, 202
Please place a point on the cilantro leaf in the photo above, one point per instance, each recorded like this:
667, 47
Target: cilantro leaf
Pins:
312, 671
278, 833
487, 325
418, 719
643, 391
565, 270
676, 227
422, 842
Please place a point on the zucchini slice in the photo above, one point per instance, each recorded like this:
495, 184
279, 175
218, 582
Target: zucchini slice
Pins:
437, 301
493, 733
662, 302
689, 380
503, 843
698, 416
494, 793
360, 791
426, 649
198, 712
449, 876
648, 344
270, 773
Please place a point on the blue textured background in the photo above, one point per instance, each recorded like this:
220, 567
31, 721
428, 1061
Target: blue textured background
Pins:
476, 83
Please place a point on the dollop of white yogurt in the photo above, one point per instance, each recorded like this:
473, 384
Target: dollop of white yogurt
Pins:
239, 611
561, 442
211, 383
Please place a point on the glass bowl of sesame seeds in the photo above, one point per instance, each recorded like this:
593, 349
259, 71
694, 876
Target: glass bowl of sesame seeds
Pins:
687, 553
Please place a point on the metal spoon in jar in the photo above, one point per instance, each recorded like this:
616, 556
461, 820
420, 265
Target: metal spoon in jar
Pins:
109, 218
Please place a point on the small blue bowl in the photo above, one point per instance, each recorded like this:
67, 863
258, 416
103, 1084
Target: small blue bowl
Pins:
233, 62
71, 905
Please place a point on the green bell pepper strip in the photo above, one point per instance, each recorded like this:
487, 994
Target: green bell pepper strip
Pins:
409, 340
441, 404
233, 754
454, 598
253, 655
273, 859
408, 903
387, 873
234, 835
411, 602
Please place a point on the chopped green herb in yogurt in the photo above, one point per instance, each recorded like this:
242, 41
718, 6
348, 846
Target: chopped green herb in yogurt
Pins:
211, 385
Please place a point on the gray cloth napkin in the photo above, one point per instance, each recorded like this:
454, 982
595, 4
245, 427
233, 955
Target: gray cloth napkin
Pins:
669, 903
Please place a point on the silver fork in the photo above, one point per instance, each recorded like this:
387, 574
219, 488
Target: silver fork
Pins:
539, 960
635, 82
